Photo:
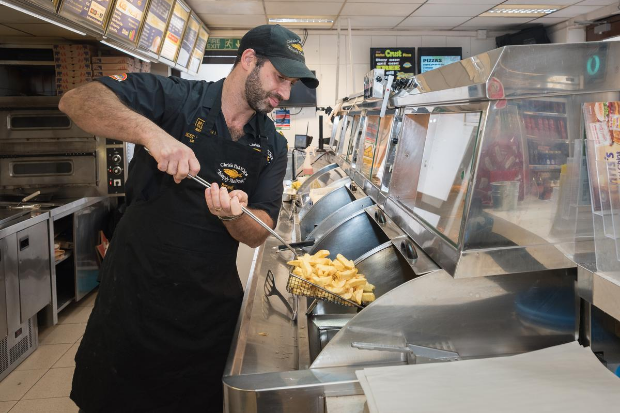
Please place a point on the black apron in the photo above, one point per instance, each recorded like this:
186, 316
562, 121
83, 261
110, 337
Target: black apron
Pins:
169, 299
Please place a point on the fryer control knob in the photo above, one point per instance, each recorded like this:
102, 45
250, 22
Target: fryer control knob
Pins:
117, 170
116, 158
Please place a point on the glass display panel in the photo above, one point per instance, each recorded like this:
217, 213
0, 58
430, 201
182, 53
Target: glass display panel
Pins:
126, 19
174, 34
93, 13
370, 142
189, 40
336, 126
378, 163
155, 25
446, 170
352, 137
199, 50
345, 136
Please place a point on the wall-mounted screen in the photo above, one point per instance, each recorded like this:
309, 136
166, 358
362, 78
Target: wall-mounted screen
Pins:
92, 13
174, 34
126, 19
189, 40
199, 50
301, 96
155, 25
430, 58
396, 61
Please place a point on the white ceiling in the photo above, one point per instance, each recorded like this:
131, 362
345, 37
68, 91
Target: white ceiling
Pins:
423, 15
385, 14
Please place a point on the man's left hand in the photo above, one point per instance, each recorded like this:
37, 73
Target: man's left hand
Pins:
223, 203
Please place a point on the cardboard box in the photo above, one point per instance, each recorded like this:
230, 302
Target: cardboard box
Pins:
114, 60
73, 73
63, 60
67, 84
74, 48
108, 67
73, 66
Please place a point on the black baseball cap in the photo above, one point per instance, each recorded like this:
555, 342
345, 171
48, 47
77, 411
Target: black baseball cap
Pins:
283, 49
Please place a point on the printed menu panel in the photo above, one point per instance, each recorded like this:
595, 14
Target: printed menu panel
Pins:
199, 50
91, 12
126, 19
155, 25
189, 40
396, 61
174, 34
602, 120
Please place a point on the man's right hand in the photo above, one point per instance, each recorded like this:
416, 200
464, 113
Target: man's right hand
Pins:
173, 157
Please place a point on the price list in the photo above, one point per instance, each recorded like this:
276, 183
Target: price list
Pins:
172, 40
92, 11
126, 19
189, 39
199, 50
155, 25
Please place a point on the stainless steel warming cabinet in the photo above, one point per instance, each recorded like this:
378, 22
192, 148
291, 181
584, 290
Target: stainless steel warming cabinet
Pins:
466, 206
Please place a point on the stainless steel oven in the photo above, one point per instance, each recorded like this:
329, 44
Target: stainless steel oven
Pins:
42, 148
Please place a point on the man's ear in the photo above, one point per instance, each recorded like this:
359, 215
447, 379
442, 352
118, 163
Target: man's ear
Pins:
248, 59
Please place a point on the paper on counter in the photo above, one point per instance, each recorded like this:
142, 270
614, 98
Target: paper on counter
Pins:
566, 378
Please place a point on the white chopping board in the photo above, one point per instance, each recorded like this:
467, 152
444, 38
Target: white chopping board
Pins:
566, 378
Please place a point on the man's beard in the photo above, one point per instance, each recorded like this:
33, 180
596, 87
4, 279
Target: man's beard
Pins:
256, 96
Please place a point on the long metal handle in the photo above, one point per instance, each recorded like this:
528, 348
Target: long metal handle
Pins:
250, 214
29, 197
419, 351
245, 211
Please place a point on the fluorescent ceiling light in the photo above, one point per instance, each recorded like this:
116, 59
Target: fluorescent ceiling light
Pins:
295, 20
521, 10
45, 19
124, 51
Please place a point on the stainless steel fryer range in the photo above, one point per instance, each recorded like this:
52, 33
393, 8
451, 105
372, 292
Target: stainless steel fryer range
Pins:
458, 275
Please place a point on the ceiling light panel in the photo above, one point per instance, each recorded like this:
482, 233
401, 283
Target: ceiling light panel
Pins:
302, 9
303, 21
522, 10
375, 9
452, 10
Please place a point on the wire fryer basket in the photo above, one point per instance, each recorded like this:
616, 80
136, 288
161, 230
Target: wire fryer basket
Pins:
298, 286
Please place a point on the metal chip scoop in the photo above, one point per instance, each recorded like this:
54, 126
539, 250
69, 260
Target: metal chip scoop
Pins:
245, 211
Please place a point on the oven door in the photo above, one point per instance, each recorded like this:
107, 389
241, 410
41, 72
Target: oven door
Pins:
46, 171
38, 124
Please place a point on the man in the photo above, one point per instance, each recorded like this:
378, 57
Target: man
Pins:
159, 335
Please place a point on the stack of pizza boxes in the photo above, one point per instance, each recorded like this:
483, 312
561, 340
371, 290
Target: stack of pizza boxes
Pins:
117, 65
73, 66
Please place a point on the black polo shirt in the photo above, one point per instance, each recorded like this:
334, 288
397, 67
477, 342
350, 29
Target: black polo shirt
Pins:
176, 105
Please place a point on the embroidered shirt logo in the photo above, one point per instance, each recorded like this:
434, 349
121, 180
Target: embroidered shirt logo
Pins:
257, 148
199, 124
231, 173
295, 46
119, 78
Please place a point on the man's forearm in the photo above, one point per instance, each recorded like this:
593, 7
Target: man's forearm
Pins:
106, 116
248, 231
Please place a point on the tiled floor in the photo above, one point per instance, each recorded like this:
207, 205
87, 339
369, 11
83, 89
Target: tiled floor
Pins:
42, 383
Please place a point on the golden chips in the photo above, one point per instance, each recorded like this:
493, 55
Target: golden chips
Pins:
338, 276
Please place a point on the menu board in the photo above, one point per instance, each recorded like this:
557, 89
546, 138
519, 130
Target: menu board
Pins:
430, 58
91, 12
155, 25
47, 4
602, 126
127, 16
189, 40
174, 34
199, 50
396, 61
